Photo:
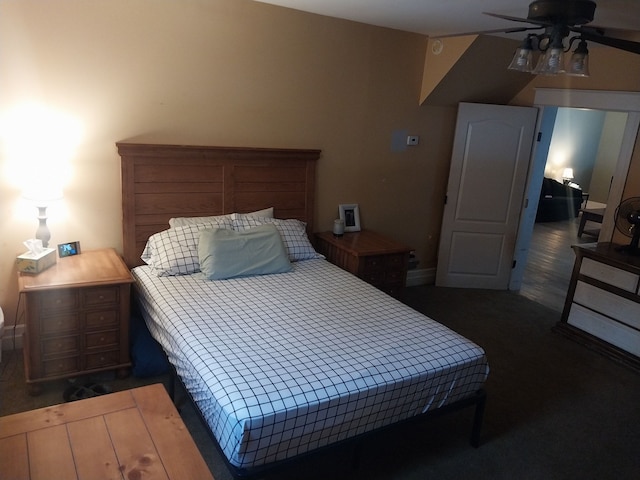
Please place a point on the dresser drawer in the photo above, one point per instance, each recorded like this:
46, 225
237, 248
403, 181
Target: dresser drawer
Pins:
102, 359
609, 330
608, 274
100, 296
61, 366
102, 318
53, 302
619, 308
61, 345
107, 338
60, 324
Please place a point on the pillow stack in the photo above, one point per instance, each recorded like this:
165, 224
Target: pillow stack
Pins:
229, 246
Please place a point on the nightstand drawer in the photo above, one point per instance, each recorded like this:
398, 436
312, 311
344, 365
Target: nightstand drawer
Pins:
397, 262
103, 318
374, 278
53, 302
108, 338
395, 276
60, 324
374, 263
60, 366
100, 296
61, 345
102, 359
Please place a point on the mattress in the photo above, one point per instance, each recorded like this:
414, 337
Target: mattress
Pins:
286, 363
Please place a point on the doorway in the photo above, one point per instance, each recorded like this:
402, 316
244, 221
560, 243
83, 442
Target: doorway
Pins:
624, 109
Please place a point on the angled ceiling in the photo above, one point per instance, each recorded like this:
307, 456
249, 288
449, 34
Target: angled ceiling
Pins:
451, 17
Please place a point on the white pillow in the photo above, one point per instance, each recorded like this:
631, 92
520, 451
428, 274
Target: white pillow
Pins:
292, 231
175, 251
182, 221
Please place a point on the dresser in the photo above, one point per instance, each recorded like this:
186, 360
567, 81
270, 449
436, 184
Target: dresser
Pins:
375, 258
602, 309
76, 317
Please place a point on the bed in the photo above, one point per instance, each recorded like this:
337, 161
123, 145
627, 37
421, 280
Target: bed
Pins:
296, 355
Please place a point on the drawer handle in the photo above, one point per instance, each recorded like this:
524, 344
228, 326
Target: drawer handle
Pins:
101, 317
101, 297
58, 301
101, 339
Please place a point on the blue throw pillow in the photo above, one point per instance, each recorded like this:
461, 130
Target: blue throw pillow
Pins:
227, 254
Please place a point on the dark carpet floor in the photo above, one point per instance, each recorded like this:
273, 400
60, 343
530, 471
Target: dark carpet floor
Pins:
555, 409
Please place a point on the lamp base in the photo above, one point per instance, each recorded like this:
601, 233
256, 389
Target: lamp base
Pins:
43, 233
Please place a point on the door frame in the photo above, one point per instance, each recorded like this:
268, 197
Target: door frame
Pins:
628, 102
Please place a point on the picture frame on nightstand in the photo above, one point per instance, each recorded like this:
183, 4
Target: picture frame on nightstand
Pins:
350, 214
68, 249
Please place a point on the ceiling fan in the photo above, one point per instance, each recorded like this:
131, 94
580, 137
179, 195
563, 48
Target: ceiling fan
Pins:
559, 19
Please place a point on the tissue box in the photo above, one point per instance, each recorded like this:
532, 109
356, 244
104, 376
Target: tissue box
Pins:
30, 263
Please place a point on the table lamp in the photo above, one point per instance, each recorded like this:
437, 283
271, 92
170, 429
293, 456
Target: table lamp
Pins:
567, 175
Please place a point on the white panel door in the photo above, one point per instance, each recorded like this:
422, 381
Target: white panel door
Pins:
487, 178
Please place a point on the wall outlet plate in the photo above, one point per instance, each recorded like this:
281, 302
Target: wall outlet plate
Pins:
413, 140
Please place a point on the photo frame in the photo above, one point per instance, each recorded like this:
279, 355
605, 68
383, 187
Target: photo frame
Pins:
68, 249
350, 214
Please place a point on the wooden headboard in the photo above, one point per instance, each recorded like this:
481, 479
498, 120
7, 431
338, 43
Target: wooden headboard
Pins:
164, 181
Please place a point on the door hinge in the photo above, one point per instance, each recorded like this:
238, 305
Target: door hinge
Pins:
526, 203
539, 136
446, 197
514, 265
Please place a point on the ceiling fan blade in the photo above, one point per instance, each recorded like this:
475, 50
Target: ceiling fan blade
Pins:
488, 32
518, 19
622, 33
627, 45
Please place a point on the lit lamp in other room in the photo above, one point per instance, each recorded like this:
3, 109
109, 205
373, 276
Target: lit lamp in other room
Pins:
567, 175
42, 197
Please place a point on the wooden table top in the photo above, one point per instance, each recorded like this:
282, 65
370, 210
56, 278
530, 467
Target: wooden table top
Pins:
133, 434
365, 243
91, 268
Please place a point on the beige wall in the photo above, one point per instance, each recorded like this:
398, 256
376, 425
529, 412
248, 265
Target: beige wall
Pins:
221, 72
224, 72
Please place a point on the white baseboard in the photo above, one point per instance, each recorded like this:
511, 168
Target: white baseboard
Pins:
423, 276
9, 341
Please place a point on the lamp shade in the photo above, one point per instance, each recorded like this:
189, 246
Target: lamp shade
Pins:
42, 195
523, 58
567, 173
579, 62
551, 63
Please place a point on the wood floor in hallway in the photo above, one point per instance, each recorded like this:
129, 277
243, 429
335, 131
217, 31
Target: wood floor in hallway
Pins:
550, 261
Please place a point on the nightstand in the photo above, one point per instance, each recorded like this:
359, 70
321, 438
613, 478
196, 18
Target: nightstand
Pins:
374, 258
76, 318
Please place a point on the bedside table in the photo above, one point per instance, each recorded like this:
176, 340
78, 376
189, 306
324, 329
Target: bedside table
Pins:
76, 318
374, 258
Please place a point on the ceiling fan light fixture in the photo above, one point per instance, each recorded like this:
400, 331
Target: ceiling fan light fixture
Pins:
523, 58
579, 62
551, 63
